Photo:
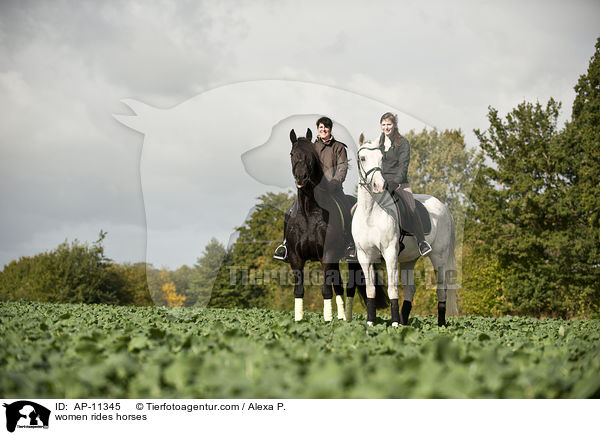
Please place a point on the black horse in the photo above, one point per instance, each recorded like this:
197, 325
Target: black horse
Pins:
315, 231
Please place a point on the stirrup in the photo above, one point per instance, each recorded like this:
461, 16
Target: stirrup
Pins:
427, 248
278, 256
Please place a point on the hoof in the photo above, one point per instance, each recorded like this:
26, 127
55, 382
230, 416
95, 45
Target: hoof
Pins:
394, 324
370, 323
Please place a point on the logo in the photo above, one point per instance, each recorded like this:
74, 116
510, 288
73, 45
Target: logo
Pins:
26, 414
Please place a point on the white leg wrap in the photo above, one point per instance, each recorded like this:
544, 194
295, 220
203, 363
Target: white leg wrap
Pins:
327, 310
339, 302
349, 303
299, 309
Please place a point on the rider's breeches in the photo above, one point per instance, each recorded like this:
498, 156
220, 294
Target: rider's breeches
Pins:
409, 220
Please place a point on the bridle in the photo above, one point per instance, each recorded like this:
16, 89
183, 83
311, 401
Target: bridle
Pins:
365, 174
308, 166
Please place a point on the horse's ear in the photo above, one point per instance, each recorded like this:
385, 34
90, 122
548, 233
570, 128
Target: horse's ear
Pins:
293, 137
308, 134
361, 139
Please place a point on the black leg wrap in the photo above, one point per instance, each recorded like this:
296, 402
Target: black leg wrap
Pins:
395, 310
371, 310
441, 313
406, 307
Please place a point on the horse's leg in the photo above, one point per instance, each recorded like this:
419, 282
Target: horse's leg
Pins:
338, 288
390, 256
331, 276
298, 273
407, 275
367, 265
439, 266
355, 279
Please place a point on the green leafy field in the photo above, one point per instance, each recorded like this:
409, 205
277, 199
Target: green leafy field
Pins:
79, 351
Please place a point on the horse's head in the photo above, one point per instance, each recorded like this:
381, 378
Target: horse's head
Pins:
369, 165
306, 167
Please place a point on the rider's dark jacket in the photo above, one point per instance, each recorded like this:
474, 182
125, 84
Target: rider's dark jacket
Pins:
334, 160
394, 165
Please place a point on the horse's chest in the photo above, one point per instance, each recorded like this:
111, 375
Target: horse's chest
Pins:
309, 234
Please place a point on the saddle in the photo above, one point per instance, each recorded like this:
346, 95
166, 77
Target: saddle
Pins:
333, 202
423, 215
397, 208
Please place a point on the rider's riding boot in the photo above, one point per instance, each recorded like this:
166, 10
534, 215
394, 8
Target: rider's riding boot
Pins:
424, 248
281, 252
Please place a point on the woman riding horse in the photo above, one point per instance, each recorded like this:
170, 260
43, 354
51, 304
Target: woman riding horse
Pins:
396, 157
376, 233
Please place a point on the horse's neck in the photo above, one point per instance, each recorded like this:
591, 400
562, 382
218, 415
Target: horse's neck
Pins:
366, 202
306, 202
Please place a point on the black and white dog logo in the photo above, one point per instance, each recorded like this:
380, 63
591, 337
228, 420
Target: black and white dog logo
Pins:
26, 414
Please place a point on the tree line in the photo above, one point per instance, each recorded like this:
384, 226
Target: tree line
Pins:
526, 204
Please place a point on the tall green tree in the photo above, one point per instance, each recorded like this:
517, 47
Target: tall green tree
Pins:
536, 206
517, 206
204, 285
580, 167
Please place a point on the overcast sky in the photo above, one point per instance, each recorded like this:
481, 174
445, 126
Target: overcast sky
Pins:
69, 168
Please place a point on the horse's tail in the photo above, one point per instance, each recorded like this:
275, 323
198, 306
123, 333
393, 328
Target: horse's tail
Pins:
381, 298
450, 279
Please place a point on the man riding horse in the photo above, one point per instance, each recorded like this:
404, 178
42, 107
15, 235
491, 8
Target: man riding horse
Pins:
334, 162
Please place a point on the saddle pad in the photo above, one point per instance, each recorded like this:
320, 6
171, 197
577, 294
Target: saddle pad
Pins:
393, 209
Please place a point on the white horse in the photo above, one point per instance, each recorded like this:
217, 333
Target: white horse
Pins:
376, 234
